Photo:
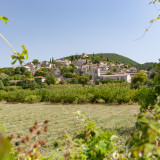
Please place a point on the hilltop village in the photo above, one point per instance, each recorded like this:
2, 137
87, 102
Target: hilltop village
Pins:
98, 69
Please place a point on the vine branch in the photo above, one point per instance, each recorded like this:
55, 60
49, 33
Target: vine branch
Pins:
8, 44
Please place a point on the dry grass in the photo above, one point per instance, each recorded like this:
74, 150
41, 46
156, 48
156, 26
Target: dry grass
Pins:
17, 118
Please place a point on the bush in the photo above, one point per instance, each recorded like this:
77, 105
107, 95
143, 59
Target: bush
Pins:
12, 88
138, 80
32, 99
2, 95
72, 81
110, 93
1, 85
100, 101
50, 79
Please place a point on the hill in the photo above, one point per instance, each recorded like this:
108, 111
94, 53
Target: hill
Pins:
117, 57
146, 66
123, 59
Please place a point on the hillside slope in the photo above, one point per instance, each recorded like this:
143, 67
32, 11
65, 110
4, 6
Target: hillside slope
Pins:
117, 57
123, 59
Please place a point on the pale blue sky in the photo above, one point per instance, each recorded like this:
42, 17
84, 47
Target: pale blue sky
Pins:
58, 28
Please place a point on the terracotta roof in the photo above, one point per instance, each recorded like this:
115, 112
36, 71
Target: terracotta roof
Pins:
39, 77
116, 75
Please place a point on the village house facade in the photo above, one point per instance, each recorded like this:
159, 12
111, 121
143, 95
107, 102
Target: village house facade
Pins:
65, 62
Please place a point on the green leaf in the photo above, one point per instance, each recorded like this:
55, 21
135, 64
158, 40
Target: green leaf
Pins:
24, 52
5, 19
14, 62
13, 57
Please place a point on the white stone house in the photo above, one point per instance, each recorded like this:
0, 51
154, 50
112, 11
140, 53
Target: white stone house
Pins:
38, 66
125, 77
112, 65
57, 72
29, 64
79, 63
132, 70
65, 62
33, 71
85, 69
84, 55
103, 67
27, 68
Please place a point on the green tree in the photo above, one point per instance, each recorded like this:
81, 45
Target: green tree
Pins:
18, 71
84, 79
53, 61
72, 81
3, 76
1, 85
50, 79
138, 80
35, 61
28, 74
41, 73
26, 83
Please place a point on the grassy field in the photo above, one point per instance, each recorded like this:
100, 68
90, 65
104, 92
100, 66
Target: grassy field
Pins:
17, 118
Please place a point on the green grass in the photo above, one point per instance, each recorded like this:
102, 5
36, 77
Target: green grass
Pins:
17, 118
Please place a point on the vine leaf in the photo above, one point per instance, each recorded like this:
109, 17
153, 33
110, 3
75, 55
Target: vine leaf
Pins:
5, 19
20, 57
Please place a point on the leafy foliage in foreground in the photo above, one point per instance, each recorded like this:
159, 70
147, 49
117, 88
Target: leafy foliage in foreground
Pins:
89, 143
144, 143
23, 147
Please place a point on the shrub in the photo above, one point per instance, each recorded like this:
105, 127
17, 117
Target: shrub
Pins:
110, 93
32, 99
50, 79
1, 85
100, 101
72, 81
2, 95
138, 80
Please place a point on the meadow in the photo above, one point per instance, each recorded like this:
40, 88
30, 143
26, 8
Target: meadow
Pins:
17, 118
